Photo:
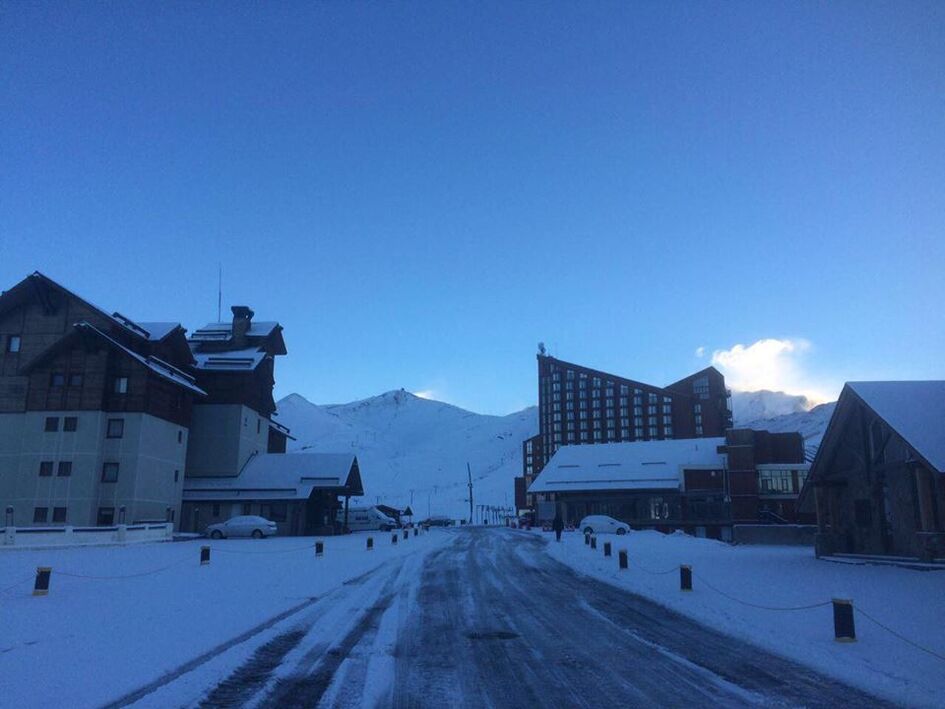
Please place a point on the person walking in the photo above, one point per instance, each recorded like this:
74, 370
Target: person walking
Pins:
558, 526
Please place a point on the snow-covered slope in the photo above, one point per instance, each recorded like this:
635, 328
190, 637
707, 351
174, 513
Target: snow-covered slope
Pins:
405, 443
811, 424
766, 404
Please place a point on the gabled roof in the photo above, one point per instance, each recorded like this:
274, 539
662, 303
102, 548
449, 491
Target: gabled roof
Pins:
157, 331
157, 366
282, 476
222, 333
915, 410
640, 465
230, 361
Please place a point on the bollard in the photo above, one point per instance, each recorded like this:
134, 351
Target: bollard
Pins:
606, 548
41, 584
406, 534
685, 578
587, 538
370, 543
393, 538
204, 556
622, 558
319, 548
844, 630
416, 532
593, 542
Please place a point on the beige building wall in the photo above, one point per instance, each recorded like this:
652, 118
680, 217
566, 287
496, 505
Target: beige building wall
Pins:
223, 437
150, 454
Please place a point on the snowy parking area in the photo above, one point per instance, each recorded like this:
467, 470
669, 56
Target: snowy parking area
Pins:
732, 583
117, 618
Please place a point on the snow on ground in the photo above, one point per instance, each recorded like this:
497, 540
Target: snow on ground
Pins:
95, 639
909, 602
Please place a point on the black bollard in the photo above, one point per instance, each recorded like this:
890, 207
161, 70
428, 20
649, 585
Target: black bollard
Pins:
406, 534
41, 584
622, 558
593, 542
393, 538
685, 578
606, 548
370, 543
844, 630
587, 538
204, 556
416, 532
319, 548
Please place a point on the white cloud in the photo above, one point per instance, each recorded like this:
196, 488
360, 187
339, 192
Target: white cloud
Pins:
700, 351
769, 364
426, 394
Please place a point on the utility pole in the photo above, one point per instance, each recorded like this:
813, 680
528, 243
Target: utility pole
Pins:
469, 475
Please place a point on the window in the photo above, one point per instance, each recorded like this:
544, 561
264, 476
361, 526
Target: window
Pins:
597, 435
638, 432
247, 508
65, 468
45, 469
215, 509
75, 380
176, 475
697, 408
106, 516
57, 379
116, 428
13, 343
667, 409
698, 430
775, 481
121, 385
52, 424
59, 514
70, 423
258, 425
700, 387
40, 514
653, 433
110, 473
279, 512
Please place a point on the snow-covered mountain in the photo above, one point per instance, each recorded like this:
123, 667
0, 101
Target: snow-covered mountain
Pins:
766, 404
778, 412
405, 443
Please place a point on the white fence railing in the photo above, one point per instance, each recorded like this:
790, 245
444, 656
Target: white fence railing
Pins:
74, 536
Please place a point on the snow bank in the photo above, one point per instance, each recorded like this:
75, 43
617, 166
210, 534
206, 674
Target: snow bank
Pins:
912, 603
92, 640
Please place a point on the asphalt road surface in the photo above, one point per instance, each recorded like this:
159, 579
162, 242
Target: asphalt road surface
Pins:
489, 620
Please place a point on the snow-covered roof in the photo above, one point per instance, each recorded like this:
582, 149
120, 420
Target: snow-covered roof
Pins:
156, 365
281, 476
231, 360
915, 410
158, 330
223, 331
639, 465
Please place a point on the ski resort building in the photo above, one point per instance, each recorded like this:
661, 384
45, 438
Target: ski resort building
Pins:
877, 483
95, 411
579, 405
106, 421
703, 486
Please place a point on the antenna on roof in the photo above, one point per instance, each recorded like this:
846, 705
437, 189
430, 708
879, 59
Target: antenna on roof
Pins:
220, 292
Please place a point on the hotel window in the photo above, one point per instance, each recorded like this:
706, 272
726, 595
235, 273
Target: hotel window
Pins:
698, 430
110, 472
556, 386
568, 386
667, 409
611, 433
775, 481
52, 424
653, 433
57, 379
570, 416
609, 391
571, 437
556, 376
637, 420
652, 398
120, 385
624, 390
570, 374
610, 413
40, 514
557, 427
70, 423
623, 401
597, 425
608, 402
557, 439
556, 406
75, 380
697, 408
106, 517
596, 382
557, 417
700, 387
582, 405
569, 406
624, 411
597, 435
625, 423
13, 343
584, 436
569, 396
595, 414
637, 410
582, 384
625, 433
59, 514
638, 401
667, 420
651, 410
65, 469
698, 419
638, 432
668, 432
651, 420
45, 469
116, 428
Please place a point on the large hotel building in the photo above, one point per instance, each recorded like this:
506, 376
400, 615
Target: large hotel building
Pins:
578, 405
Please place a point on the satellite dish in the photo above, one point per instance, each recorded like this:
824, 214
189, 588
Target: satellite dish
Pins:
541, 348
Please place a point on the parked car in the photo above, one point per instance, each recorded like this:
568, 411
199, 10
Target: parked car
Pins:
602, 524
363, 518
438, 522
243, 526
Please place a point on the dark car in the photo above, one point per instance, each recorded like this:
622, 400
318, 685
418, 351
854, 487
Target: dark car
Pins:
438, 522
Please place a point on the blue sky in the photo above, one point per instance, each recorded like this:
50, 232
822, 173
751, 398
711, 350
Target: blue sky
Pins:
421, 192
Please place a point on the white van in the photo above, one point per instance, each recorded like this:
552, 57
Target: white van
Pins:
362, 518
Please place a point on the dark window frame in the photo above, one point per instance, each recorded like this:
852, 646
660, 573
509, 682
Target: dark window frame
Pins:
60, 514
109, 433
45, 468
75, 379
14, 344
70, 424
99, 516
64, 469
120, 385
106, 476
40, 515
51, 425
57, 380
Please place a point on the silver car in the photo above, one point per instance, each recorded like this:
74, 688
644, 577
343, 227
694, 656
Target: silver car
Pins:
243, 526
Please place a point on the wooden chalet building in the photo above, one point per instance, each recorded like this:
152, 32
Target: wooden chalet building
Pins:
95, 411
877, 483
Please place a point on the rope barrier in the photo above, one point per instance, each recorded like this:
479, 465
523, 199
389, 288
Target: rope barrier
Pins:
654, 573
765, 608
263, 551
898, 635
125, 576
18, 583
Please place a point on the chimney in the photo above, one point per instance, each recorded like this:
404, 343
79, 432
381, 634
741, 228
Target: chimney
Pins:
242, 319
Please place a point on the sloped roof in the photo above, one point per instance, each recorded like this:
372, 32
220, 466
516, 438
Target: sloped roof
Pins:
230, 360
638, 465
915, 410
157, 331
222, 331
281, 476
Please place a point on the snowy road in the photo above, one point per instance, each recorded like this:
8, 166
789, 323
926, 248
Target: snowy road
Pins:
489, 619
